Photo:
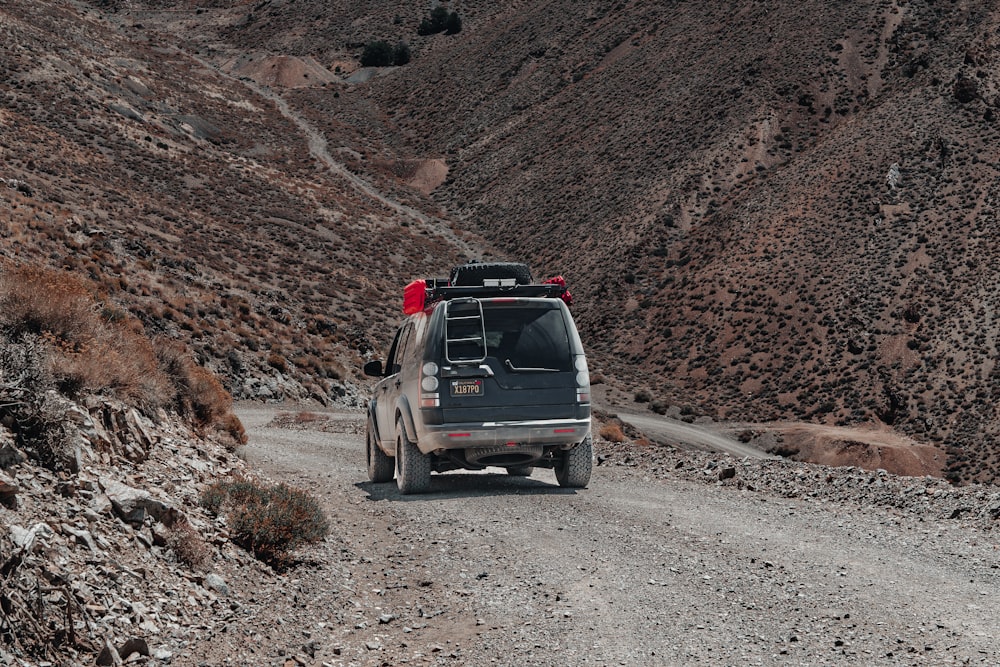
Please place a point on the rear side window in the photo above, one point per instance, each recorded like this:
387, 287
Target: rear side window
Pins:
533, 337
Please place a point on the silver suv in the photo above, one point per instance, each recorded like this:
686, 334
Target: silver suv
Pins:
487, 370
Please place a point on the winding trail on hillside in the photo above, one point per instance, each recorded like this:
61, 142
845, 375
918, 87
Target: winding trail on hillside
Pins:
319, 149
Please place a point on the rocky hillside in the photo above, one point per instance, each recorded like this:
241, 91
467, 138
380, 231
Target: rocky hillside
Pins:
115, 559
767, 212
203, 204
776, 212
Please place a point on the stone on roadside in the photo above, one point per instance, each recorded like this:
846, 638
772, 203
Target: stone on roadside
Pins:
217, 584
8, 491
134, 505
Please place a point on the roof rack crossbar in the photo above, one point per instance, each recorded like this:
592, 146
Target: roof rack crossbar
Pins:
445, 293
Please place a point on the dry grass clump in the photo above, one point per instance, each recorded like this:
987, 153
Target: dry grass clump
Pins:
613, 433
198, 395
90, 348
187, 544
270, 522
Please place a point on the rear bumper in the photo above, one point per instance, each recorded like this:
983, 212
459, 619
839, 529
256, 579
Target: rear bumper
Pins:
560, 432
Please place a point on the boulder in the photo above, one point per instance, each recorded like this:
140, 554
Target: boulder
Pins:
134, 505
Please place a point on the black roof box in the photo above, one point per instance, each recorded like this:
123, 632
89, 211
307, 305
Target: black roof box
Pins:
479, 274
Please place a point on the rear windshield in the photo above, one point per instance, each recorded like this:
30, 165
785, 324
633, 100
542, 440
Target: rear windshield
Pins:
529, 338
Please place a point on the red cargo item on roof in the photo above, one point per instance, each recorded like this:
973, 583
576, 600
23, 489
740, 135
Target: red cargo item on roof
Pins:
413, 297
559, 280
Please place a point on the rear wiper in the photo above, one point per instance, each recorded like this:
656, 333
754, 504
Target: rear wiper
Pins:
529, 370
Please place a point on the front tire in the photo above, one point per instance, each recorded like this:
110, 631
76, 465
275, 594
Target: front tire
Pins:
414, 474
381, 468
520, 471
573, 472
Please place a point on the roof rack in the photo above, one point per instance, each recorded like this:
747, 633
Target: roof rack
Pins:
421, 294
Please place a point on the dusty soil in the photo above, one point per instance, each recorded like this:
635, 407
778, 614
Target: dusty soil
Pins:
869, 448
669, 557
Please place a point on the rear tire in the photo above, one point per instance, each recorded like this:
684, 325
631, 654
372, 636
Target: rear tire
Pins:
381, 468
573, 471
414, 474
520, 471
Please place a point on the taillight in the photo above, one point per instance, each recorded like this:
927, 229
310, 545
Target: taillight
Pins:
582, 379
428, 395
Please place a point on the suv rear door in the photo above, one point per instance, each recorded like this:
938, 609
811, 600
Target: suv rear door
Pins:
530, 349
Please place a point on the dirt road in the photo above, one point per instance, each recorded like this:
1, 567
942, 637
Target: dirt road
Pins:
641, 568
690, 435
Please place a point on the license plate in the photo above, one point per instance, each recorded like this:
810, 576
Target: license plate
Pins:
467, 388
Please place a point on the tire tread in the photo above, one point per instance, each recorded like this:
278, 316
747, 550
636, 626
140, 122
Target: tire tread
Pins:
574, 471
414, 473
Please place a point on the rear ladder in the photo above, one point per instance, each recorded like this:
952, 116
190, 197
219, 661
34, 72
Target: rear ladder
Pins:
465, 331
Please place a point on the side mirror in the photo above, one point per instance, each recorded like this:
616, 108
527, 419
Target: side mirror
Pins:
374, 368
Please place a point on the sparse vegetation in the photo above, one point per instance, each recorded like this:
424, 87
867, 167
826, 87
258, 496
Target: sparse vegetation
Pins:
198, 393
382, 54
83, 351
612, 432
441, 20
269, 521
53, 336
187, 545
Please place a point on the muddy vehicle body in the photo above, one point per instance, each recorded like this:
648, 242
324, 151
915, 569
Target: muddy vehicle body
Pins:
485, 374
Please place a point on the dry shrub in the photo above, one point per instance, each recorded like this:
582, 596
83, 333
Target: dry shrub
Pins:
198, 394
209, 399
38, 300
306, 417
270, 522
613, 433
232, 425
187, 545
116, 360
86, 352
277, 362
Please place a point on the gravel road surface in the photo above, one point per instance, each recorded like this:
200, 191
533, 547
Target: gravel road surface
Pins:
656, 563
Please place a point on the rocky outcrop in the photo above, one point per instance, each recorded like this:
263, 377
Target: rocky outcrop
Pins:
95, 555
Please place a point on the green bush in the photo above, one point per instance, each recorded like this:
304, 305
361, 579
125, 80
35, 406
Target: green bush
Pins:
380, 54
377, 54
401, 54
441, 20
270, 522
